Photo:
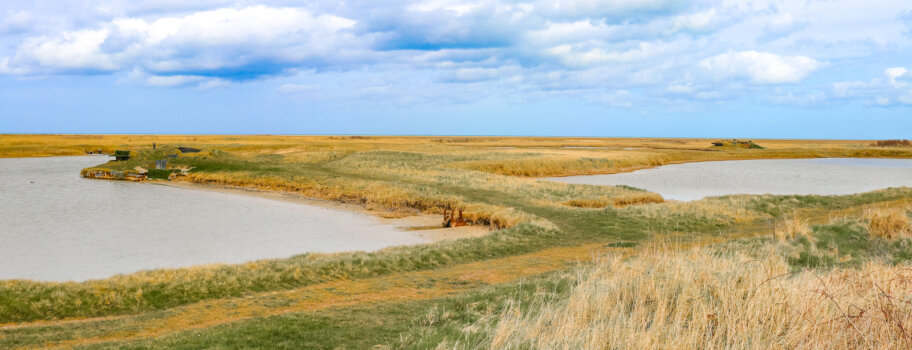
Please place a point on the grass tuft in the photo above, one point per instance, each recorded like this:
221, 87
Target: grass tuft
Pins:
791, 227
888, 223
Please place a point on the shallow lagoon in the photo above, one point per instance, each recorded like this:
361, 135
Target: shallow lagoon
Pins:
823, 176
55, 225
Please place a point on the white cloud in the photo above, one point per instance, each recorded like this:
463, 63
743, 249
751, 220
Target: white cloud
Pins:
652, 49
761, 67
76, 50
253, 40
898, 76
699, 21
893, 88
613, 8
562, 32
584, 54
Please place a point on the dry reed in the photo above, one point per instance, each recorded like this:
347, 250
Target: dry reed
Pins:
703, 299
790, 227
888, 223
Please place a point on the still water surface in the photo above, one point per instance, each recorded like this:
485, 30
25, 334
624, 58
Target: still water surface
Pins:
823, 176
55, 225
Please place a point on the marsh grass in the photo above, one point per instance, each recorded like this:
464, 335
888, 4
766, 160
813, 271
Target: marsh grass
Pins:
700, 299
489, 179
617, 202
746, 296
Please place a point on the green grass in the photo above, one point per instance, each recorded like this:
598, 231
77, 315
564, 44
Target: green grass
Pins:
846, 244
406, 325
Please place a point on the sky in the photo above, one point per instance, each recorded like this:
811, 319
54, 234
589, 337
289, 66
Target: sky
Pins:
645, 68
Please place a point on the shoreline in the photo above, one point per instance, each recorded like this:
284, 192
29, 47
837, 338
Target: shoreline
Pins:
421, 225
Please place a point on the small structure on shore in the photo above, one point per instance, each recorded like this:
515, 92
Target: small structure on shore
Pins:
737, 144
188, 149
121, 155
161, 164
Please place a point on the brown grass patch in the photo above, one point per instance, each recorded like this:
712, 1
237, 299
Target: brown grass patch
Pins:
716, 300
790, 227
888, 223
618, 202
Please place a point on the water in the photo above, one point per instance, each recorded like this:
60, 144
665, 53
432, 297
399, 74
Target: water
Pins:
55, 225
823, 176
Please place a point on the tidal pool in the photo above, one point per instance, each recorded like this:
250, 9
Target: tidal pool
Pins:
57, 226
823, 176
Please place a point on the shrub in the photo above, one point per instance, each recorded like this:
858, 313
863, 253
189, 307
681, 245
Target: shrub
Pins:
158, 174
892, 143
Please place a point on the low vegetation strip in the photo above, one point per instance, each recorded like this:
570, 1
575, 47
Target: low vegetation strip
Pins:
394, 287
160, 289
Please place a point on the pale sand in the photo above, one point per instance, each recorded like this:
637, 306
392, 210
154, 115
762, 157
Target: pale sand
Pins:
426, 226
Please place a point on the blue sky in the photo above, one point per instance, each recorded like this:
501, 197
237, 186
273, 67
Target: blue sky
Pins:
731, 68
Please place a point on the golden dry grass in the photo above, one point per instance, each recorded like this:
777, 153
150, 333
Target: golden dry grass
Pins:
701, 299
790, 227
888, 223
618, 202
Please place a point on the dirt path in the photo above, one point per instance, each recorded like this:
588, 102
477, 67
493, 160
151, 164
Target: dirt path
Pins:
398, 287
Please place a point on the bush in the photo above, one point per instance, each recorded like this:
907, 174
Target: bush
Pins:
892, 143
161, 174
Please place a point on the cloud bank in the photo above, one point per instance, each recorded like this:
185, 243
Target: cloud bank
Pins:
620, 53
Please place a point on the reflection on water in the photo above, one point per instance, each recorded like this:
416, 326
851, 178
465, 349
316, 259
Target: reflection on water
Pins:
59, 226
824, 176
